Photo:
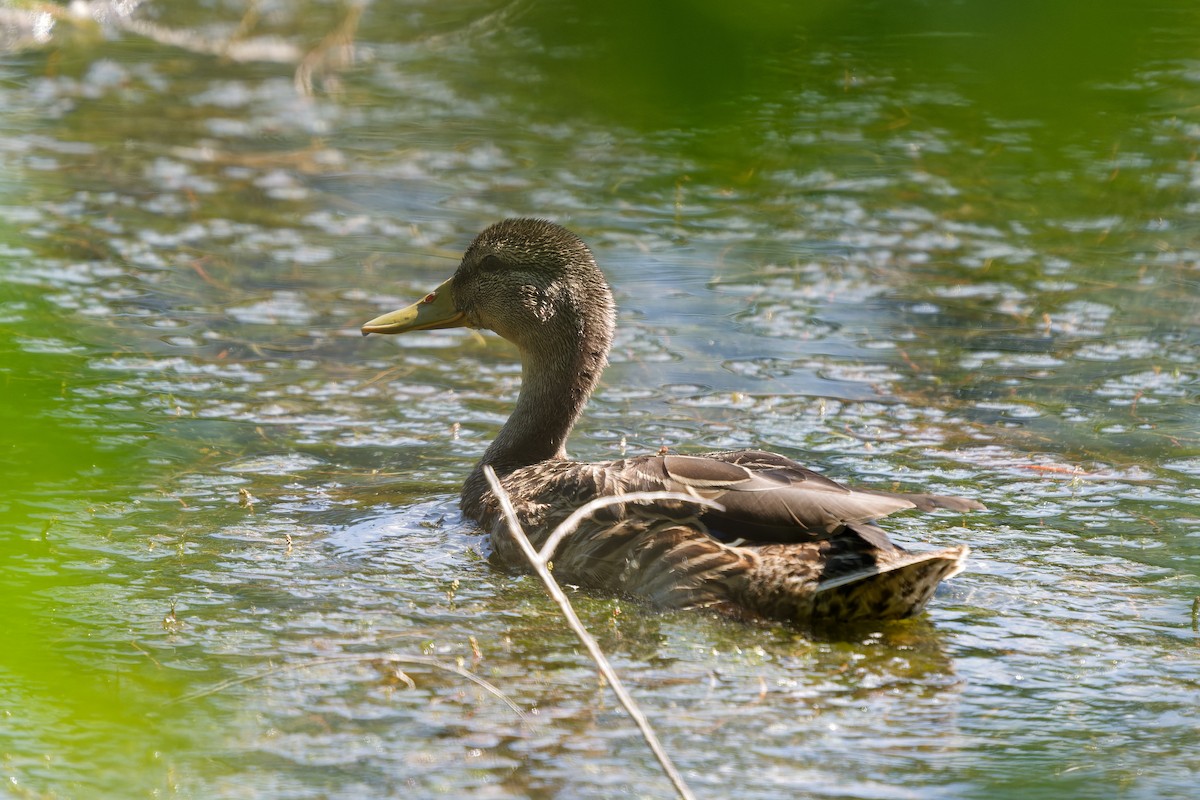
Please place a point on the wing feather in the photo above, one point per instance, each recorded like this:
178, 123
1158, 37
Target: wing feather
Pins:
767, 497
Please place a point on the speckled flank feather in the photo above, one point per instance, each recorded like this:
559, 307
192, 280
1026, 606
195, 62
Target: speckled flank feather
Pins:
786, 544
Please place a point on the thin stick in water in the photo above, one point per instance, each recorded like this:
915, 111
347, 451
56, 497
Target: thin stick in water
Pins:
583, 512
564, 604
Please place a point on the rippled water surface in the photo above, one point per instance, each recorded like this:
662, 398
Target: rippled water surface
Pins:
911, 246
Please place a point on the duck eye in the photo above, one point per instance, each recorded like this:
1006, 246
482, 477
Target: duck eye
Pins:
491, 262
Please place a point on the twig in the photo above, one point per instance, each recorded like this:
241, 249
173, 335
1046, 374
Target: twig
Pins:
583, 512
556, 592
389, 657
334, 51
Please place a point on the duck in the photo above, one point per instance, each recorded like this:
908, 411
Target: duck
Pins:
775, 541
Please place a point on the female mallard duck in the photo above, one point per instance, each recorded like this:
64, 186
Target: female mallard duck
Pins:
787, 544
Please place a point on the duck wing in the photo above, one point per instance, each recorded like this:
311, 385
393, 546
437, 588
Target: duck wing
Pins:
765, 497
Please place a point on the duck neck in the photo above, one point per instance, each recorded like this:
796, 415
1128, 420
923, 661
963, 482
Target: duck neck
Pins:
555, 384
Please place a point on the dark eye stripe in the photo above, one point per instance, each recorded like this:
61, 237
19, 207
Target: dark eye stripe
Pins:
490, 262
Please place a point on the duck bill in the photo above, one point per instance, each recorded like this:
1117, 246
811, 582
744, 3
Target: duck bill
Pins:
435, 310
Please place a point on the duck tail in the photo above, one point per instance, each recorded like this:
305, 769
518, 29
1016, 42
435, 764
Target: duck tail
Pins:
897, 587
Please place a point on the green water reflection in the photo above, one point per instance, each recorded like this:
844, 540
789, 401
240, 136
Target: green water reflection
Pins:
910, 244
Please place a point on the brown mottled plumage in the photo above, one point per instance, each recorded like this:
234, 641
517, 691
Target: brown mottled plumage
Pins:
787, 544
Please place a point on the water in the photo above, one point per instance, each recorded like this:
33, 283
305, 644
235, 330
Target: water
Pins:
909, 245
